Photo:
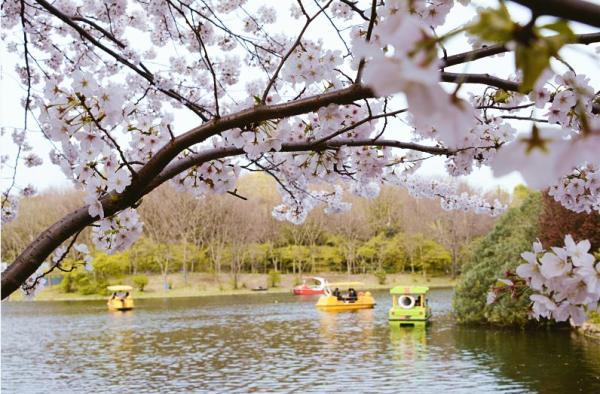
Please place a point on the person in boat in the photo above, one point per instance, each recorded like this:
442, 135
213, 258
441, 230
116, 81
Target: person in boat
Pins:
120, 296
337, 294
352, 296
417, 301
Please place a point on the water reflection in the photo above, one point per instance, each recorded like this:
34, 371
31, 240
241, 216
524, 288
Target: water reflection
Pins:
408, 343
277, 343
358, 324
553, 359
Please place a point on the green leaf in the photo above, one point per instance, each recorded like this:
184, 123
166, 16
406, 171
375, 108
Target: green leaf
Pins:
501, 96
534, 58
493, 25
562, 28
532, 61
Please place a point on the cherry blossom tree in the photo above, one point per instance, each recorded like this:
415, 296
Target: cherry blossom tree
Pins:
105, 82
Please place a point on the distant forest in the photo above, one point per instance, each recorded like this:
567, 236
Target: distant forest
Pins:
227, 234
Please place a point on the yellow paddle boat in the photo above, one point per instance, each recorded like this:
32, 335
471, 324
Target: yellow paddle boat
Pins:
120, 300
334, 300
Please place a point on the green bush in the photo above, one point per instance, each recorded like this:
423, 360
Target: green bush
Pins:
274, 278
381, 276
82, 282
493, 255
140, 281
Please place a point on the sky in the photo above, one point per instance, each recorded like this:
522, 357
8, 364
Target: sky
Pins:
49, 176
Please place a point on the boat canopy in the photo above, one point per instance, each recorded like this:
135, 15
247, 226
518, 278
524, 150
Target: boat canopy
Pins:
120, 288
344, 284
409, 290
315, 278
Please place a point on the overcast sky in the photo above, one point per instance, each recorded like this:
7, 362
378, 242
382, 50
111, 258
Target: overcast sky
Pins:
46, 176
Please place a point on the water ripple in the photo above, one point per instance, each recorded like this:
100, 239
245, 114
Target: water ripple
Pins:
277, 343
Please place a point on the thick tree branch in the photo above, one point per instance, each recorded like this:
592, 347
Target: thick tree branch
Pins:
183, 164
484, 79
38, 250
575, 10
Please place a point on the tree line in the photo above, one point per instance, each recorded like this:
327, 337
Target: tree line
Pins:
389, 234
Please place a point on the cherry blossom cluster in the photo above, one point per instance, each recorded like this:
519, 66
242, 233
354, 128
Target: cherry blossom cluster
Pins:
312, 63
480, 145
263, 139
580, 190
28, 158
87, 121
10, 208
35, 282
117, 233
296, 207
450, 197
571, 100
217, 176
79, 252
565, 281
402, 57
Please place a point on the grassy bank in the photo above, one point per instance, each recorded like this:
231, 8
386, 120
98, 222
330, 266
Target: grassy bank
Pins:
200, 284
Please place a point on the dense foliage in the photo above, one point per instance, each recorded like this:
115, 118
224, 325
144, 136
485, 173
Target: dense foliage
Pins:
495, 254
556, 221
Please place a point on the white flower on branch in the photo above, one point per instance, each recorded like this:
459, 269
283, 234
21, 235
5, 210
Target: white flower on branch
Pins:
119, 180
566, 281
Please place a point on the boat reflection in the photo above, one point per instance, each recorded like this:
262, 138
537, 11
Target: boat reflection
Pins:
359, 324
408, 343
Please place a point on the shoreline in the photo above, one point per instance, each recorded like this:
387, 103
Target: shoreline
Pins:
590, 330
206, 285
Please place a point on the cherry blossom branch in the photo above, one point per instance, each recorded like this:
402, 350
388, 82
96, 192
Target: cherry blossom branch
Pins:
142, 70
360, 122
206, 57
372, 20
27, 108
492, 50
335, 28
108, 35
309, 20
484, 79
185, 163
55, 265
514, 117
221, 25
39, 249
107, 134
352, 5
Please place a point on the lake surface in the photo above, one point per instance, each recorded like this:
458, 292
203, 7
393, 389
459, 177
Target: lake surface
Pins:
278, 343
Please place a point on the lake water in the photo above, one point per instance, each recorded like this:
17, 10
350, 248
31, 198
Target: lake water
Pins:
278, 343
